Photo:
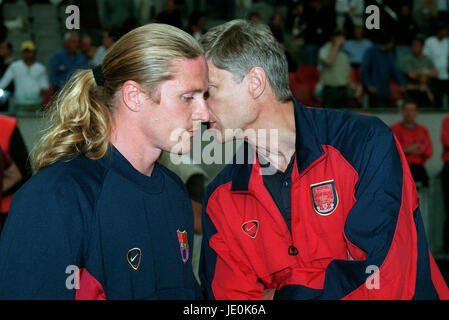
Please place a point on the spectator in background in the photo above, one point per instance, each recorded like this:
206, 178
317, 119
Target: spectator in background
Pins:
430, 7
405, 31
356, 46
88, 48
349, 12
91, 22
118, 13
65, 62
254, 17
110, 36
378, 67
295, 22
196, 24
276, 27
171, 15
225, 9
418, 70
445, 179
9, 176
295, 25
437, 49
320, 22
334, 70
29, 77
443, 10
6, 59
195, 6
415, 141
12, 143
6, 55
425, 12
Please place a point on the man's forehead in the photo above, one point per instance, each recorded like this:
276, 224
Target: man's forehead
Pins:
191, 74
216, 74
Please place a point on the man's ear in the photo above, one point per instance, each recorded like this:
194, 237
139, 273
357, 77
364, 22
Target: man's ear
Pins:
257, 81
132, 95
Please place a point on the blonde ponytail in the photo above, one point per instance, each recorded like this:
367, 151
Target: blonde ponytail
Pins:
79, 123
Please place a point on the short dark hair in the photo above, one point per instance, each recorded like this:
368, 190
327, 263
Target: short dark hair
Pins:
409, 101
420, 38
385, 37
338, 32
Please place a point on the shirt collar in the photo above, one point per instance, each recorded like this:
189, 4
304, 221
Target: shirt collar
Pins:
307, 146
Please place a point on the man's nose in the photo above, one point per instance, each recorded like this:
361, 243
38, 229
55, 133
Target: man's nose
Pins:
201, 111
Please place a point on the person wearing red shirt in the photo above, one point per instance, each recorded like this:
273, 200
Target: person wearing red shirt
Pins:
9, 175
445, 178
415, 141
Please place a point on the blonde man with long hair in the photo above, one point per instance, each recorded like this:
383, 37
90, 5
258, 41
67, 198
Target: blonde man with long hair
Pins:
101, 219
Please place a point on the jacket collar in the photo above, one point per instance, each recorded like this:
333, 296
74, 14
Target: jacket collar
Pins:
307, 146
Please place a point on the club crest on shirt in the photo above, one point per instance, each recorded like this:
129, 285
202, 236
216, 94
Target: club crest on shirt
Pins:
134, 256
324, 197
250, 228
183, 245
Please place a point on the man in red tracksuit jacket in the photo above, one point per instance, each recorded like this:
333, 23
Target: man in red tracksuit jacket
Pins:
415, 142
339, 216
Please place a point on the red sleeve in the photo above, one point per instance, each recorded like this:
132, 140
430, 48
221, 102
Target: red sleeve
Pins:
225, 272
5, 159
445, 132
426, 149
397, 130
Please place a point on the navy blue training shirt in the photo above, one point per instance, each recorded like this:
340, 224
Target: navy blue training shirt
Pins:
123, 234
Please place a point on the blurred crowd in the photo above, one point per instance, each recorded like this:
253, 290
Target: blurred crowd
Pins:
334, 59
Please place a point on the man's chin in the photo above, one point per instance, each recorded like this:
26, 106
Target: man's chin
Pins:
180, 148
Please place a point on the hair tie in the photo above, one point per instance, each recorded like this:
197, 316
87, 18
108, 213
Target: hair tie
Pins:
98, 75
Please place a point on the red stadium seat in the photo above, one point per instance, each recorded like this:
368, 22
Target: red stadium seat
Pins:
307, 74
396, 94
303, 84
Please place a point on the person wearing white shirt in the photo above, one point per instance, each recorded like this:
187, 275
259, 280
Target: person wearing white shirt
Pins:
354, 9
30, 78
437, 49
110, 36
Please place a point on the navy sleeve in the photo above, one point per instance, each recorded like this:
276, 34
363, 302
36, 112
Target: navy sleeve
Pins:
43, 239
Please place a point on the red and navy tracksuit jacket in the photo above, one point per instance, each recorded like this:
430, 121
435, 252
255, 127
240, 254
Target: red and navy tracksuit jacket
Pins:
357, 231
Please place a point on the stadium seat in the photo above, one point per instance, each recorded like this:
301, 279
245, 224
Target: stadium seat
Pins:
396, 94
303, 83
44, 13
307, 74
356, 74
14, 10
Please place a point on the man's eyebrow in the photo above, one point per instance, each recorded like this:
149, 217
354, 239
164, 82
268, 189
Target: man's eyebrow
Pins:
199, 90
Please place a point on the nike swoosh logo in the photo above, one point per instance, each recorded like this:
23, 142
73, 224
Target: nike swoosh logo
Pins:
132, 259
248, 230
